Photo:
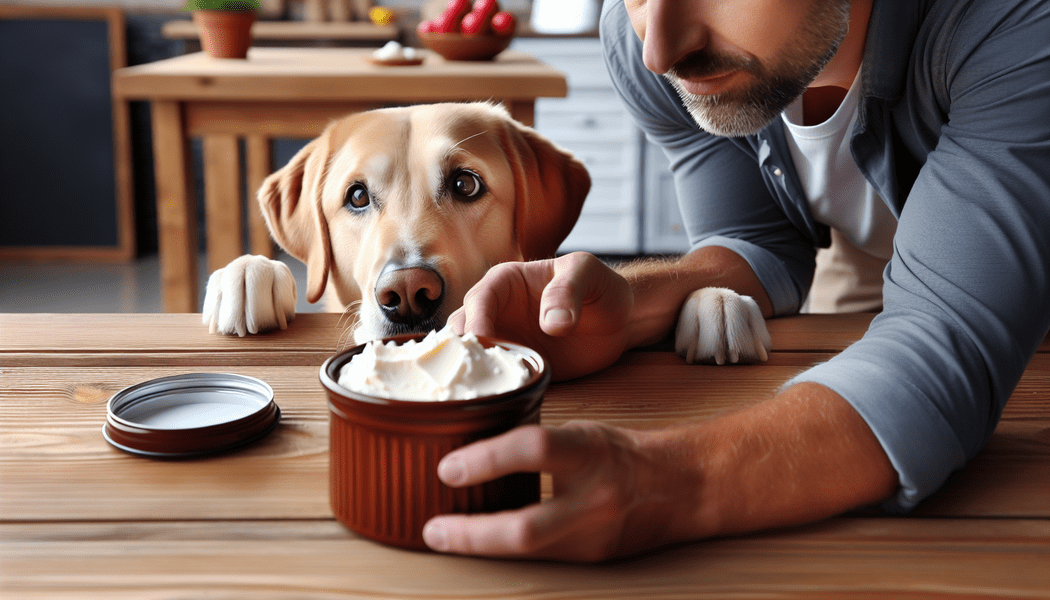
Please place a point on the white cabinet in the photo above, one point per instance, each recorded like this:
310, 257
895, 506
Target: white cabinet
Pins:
662, 228
630, 209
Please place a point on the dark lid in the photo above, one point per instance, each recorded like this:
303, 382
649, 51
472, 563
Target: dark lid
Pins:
190, 415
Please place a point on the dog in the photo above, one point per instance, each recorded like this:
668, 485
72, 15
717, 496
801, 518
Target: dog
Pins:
397, 212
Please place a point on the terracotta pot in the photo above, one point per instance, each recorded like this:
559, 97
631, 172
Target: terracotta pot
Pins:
384, 453
225, 33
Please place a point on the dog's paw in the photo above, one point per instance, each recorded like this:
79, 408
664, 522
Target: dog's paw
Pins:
250, 295
718, 325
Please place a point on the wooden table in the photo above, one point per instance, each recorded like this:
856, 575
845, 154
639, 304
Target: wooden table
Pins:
281, 93
81, 519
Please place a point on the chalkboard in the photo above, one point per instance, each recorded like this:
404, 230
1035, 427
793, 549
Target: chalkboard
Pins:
64, 185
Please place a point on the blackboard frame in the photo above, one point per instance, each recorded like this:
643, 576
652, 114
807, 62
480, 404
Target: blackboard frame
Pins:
124, 247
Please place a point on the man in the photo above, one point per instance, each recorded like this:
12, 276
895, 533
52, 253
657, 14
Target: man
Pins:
934, 145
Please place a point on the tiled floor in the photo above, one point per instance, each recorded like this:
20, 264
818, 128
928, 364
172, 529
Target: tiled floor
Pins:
67, 287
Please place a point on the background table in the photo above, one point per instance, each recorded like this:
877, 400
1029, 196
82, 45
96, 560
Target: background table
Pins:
281, 93
79, 518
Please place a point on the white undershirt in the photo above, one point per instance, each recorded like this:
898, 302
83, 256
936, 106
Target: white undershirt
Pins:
838, 194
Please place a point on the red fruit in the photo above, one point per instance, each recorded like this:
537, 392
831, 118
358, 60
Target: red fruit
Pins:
459, 7
504, 23
425, 27
474, 23
456, 9
486, 8
447, 23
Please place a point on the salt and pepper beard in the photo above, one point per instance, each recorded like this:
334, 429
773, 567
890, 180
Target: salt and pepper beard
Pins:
747, 110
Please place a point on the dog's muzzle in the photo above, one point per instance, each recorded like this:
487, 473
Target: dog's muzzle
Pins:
409, 296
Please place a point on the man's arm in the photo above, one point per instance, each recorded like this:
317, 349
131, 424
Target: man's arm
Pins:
801, 456
661, 286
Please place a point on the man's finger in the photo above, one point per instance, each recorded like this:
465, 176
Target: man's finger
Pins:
526, 449
533, 531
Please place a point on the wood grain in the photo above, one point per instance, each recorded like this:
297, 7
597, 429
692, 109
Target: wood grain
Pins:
54, 451
81, 519
176, 210
258, 165
222, 200
840, 558
337, 74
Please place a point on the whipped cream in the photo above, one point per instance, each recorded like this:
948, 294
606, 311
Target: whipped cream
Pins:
395, 51
441, 366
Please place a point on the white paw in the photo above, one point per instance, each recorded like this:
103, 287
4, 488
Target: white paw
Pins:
718, 325
250, 295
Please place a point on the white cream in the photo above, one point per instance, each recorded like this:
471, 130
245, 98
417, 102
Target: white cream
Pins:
393, 51
441, 366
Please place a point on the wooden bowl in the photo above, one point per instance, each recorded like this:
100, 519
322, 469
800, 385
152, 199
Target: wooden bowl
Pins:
456, 46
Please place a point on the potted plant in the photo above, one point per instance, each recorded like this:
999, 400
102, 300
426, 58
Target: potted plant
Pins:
224, 25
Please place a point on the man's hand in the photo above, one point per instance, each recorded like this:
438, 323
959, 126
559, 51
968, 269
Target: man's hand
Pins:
613, 495
541, 303
801, 456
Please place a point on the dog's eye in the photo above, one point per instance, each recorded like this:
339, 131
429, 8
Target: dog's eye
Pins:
468, 185
356, 196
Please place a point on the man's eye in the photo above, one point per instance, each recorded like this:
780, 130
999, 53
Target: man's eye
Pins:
356, 196
468, 186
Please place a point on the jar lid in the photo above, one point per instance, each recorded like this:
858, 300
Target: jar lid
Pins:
190, 415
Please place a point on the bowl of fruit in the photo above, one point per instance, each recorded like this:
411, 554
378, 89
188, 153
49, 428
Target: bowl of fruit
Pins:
466, 31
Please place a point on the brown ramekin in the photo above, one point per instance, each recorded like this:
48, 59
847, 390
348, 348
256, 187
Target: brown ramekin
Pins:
384, 453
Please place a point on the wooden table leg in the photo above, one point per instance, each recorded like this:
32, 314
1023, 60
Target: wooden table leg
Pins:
259, 163
176, 209
223, 219
523, 111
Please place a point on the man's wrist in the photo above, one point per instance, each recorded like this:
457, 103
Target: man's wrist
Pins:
660, 287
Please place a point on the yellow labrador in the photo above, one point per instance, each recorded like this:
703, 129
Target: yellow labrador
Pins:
399, 211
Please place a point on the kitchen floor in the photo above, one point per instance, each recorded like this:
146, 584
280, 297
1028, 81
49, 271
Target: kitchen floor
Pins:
74, 287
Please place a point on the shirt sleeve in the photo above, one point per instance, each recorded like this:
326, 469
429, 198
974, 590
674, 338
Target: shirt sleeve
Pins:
721, 193
967, 292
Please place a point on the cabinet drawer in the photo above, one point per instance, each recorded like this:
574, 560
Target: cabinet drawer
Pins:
580, 59
603, 159
610, 196
608, 126
603, 234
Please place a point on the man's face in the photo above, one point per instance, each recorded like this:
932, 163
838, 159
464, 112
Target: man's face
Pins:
737, 64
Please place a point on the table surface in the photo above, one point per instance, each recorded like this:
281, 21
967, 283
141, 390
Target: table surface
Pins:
343, 74
79, 518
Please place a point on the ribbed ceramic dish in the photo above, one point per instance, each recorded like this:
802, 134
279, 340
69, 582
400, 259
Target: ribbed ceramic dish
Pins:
384, 453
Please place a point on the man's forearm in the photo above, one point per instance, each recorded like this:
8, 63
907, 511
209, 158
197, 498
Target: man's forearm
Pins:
799, 457
660, 287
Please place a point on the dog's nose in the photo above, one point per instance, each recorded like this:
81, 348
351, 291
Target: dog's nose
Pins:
409, 294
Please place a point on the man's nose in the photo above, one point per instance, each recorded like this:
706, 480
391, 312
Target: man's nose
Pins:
673, 29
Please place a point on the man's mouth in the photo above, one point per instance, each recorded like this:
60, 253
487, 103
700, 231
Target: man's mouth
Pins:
709, 84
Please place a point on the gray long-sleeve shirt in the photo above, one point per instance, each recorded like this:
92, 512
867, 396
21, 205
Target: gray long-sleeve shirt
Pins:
953, 132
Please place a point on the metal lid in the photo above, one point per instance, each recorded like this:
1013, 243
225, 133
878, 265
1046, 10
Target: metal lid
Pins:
190, 415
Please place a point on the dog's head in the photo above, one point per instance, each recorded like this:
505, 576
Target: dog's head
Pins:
404, 209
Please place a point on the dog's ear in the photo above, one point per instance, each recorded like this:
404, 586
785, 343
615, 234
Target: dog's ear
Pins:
550, 185
290, 199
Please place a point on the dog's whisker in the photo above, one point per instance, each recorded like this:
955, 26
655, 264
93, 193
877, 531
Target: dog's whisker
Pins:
350, 310
348, 322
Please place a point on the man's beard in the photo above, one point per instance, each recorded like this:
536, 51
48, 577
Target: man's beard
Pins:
747, 110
